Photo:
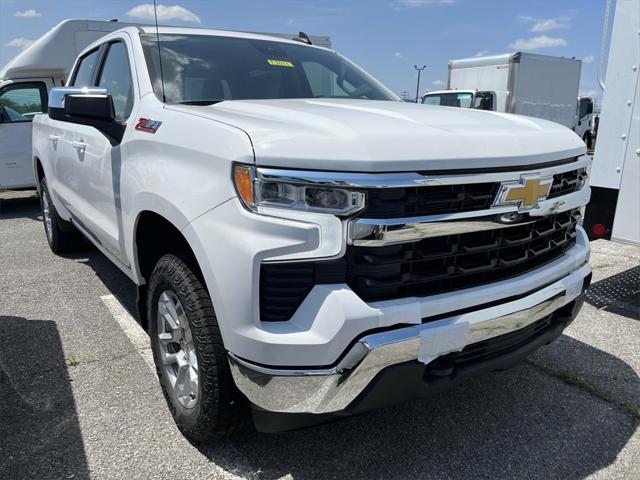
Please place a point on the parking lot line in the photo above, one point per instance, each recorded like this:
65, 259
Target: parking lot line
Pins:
131, 328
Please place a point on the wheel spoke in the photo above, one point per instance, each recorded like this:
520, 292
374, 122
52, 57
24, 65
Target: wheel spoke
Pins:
172, 315
170, 358
193, 380
183, 382
166, 338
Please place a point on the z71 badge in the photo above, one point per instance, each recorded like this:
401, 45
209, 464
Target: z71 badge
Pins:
148, 125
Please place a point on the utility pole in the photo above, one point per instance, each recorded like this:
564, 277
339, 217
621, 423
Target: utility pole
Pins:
419, 69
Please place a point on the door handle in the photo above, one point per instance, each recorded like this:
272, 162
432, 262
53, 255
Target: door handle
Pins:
79, 145
54, 138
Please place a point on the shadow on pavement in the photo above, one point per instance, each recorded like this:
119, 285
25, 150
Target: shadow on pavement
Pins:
20, 204
619, 294
39, 432
121, 286
522, 423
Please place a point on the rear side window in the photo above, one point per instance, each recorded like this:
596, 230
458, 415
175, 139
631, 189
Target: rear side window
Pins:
82, 77
116, 77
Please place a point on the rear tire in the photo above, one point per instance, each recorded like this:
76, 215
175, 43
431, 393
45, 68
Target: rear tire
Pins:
62, 236
191, 361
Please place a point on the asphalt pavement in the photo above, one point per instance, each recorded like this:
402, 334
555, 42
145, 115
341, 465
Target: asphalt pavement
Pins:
80, 401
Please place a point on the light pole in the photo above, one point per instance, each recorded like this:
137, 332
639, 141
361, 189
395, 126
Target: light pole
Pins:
419, 69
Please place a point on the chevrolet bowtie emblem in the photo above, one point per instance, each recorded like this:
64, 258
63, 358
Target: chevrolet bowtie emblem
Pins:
525, 193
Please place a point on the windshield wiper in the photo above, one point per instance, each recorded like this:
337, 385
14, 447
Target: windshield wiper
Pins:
201, 102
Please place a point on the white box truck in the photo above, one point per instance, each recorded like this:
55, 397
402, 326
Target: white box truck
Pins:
26, 80
524, 83
614, 210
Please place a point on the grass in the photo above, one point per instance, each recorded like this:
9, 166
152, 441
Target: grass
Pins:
574, 379
72, 361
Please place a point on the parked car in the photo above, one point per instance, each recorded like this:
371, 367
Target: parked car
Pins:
304, 243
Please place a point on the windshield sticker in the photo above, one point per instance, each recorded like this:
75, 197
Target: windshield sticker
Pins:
280, 63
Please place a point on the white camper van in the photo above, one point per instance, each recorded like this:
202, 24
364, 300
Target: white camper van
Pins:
26, 80
24, 85
525, 83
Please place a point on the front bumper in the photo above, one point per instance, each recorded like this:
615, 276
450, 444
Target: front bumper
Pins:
334, 389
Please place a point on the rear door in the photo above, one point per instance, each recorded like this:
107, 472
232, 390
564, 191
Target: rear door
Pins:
19, 102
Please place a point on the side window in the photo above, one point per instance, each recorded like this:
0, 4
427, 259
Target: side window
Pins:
483, 101
82, 77
116, 77
19, 102
586, 107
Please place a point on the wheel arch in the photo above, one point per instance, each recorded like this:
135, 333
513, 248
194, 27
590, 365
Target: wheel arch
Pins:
155, 235
38, 171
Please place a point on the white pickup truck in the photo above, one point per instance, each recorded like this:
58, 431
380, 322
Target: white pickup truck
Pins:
304, 243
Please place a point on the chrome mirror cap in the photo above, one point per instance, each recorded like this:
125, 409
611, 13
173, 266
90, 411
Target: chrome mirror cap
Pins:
58, 94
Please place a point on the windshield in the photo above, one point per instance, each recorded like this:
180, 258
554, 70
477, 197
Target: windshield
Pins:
451, 99
206, 69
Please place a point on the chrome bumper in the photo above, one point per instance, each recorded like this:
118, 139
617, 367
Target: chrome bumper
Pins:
333, 389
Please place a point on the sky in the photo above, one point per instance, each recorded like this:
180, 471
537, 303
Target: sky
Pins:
385, 37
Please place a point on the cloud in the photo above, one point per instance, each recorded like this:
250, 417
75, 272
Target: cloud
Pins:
588, 59
165, 13
398, 55
422, 3
439, 83
590, 93
546, 24
31, 13
538, 42
20, 43
481, 53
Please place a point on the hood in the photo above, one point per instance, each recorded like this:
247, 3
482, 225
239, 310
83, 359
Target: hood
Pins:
383, 136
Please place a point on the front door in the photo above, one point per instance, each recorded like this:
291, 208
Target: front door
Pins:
19, 102
100, 160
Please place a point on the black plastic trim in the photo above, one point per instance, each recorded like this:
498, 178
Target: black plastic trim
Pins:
601, 210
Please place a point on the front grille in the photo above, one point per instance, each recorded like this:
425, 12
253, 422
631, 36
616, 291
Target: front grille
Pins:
434, 265
403, 202
567, 182
419, 201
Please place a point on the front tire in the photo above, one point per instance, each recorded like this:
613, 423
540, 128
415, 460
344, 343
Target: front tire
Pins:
62, 236
191, 361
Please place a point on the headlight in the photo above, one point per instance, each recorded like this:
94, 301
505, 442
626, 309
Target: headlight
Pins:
287, 193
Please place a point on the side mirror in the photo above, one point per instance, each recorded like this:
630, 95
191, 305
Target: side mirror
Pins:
86, 106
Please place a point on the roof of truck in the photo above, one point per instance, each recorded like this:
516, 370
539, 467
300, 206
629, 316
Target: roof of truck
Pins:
317, 40
502, 59
458, 90
53, 54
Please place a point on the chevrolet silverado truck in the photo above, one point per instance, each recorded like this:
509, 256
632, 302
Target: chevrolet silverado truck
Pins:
305, 245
